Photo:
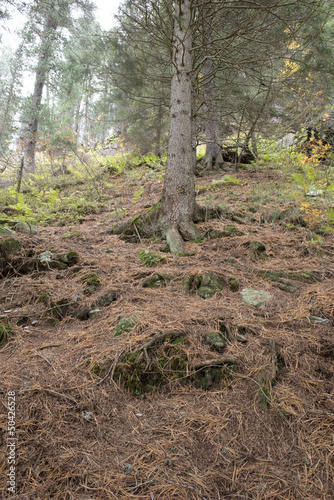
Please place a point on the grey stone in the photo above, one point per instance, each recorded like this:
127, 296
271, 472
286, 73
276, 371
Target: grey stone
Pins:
215, 340
255, 297
6, 231
45, 257
125, 325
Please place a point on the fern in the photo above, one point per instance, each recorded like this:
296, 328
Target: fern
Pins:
149, 258
137, 195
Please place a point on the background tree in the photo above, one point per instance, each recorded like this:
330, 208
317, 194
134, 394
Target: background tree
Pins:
10, 86
46, 20
248, 37
138, 72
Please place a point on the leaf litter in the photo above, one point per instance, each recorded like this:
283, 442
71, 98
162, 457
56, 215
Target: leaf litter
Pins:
263, 429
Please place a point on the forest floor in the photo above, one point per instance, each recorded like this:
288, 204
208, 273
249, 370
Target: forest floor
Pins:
183, 418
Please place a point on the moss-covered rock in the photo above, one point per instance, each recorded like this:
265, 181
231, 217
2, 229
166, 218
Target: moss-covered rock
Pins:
6, 231
192, 283
59, 308
258, 250
205, 292
125, 325
156, 280
206, 285
294, 216
216, 341
211, 284
206, 378
140, 375
92, 281
107, 299
70, 258
231, 232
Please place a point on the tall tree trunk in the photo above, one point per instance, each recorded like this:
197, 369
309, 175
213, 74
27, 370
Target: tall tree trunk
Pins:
30, 135
178, 197
5, 116
213, 154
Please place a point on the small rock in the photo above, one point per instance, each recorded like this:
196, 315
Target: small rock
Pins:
45, 257
75, 297
6, 231
215, 340
315, 319
257, 246
87, 415
154, 281
258, 250
35, 322
125, 325
127, 469
93, 312
205, 292
70, 258
313, 192
255, 297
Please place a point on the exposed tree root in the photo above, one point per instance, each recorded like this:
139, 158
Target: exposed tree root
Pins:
214, 362
175, 241
149, 224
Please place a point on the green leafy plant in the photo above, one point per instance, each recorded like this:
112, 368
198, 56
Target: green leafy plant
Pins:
228, 180
137, 195
149, 258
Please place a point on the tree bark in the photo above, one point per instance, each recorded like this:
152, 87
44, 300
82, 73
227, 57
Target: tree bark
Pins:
213, 155
6, 119
178, 197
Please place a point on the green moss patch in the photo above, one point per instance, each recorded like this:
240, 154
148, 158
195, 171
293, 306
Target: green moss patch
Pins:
149, 258
70, 258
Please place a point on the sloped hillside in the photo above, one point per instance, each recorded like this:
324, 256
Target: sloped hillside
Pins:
140, 374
